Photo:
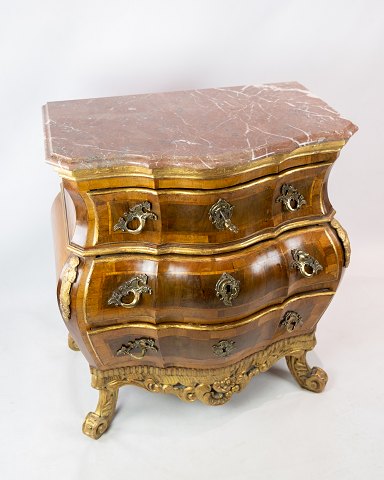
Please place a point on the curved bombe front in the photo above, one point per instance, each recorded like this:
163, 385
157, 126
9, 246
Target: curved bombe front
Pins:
189, 267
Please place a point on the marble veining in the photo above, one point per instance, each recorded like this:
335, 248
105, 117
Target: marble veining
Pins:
196, 129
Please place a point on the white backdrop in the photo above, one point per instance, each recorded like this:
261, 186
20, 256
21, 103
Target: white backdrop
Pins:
51, 50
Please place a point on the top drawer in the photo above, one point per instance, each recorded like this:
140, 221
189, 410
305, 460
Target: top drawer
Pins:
196, 221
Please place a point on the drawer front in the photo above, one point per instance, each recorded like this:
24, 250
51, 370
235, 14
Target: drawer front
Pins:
183, 221
196, 347
209, 290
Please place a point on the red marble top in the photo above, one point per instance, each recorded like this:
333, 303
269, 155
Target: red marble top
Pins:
196, 129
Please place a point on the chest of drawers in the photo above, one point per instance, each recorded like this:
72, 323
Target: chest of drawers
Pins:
195, 241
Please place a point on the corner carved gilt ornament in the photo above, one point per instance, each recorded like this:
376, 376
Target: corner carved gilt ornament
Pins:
68, 278
342, 234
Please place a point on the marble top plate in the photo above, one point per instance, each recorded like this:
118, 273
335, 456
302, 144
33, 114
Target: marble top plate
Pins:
194, 130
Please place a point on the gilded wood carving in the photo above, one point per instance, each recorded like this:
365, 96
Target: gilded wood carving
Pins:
345, 240
212, 386
69, 277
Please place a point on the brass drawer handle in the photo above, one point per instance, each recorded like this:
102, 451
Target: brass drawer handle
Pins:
291, 320
227, 288
220, 215
136, 285
307, 265
291, 199
142, 344
141, 212
223, 348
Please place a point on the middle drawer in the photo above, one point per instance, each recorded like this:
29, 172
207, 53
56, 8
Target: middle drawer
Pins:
208, 290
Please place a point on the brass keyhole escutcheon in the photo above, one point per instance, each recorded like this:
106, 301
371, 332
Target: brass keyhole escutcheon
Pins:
291, 320
227, 288
220, 215
223, 348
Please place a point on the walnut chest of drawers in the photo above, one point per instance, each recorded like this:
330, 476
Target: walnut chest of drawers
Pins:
195, 241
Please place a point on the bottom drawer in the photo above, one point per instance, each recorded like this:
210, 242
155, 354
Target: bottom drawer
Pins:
206, 346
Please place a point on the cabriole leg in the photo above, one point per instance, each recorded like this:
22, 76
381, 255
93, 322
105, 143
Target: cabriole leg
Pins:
96, 423
313, 379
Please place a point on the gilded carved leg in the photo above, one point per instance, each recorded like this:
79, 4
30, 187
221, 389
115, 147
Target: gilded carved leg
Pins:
72, 344
96, 423
313, 379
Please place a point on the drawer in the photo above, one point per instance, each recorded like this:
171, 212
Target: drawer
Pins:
196, 221
207, 290
190, 346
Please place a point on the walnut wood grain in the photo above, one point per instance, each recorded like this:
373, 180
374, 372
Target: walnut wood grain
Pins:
60, 236
62, 257
183, 224
183, 287
269, 284
178, 346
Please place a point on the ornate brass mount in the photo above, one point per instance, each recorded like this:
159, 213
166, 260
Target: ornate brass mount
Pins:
227, 288
141, 212
342, 234
220, 215
142, 344
69, 277
136, 285
223, 348
291, 320
307, 265
291, 199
